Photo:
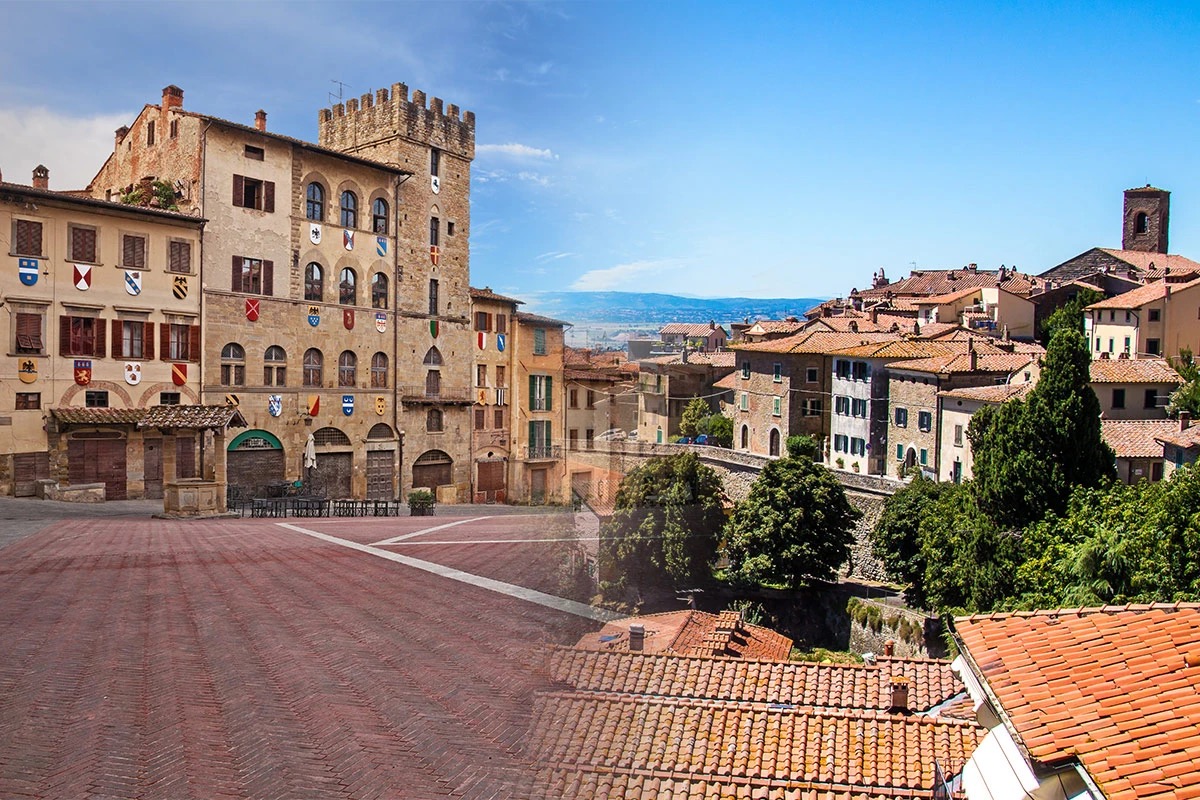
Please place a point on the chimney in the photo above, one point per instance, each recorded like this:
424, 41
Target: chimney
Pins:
1185, 420
889, 647
637, 636
972, 356
874, 315
172, 97
712, 324
260, 120
41, 177
120, 135
899, 695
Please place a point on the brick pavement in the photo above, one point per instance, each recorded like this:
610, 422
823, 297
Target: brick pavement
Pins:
236, 659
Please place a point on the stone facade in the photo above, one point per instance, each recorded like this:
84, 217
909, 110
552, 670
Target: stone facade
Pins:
539, 474
101, 310
496, 395
335, 289
777, 395
1146, 221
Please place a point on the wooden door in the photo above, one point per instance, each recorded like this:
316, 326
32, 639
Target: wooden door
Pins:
332, 475
490, 482
152, 459
381, 476
98, 461
28, 469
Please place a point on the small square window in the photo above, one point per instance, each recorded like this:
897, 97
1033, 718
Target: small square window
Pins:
83, 244
180, 256
778, 374
449, 228
1154, 314
168, 398
26, 238
28, 401
95, 399
133, 251
776, 406
539, 341
810, 375
256, 153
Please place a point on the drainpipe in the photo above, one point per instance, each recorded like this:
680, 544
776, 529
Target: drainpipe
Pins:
396, 338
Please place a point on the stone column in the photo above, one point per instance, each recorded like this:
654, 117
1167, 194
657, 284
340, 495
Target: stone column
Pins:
220, 469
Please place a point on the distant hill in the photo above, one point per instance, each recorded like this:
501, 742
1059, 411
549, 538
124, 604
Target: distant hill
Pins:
643, 307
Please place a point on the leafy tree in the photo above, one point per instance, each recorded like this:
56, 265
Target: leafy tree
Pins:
693, 417
801, 446
663, 532
896, 540
1069, 315
1187, 396
719, 429
795, 526
1030, 455
970, 563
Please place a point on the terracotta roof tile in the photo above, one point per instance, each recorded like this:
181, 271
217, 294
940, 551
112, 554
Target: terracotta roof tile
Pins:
990, 394
98, 416
897, 349
925, 283
1133, 370
536, 319
1187, 438
693, 633
1112, 687
939, 299
961, 362
1136, 298
689, 328
195, 417
723, 358
1137, 438
730, 381
486, 293
1154, 262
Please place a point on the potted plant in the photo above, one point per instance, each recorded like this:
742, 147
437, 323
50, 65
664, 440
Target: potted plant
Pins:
420, 503
841, 462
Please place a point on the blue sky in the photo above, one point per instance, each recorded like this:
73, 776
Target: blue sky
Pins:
710, 149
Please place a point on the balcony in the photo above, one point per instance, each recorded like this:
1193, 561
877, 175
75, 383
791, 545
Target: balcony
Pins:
420, 393
544, 452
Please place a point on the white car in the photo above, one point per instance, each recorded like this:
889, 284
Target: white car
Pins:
612, 435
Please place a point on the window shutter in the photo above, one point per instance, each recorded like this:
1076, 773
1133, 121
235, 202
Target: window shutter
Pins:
268, 197
127, 251
64, 335
194, 343
235, 282
268, 277
239, 189
549, 392
148, 340
532, 390
164, 341
101, 337
532, 434
118, 347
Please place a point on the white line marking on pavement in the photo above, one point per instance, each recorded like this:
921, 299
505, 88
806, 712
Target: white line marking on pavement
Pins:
492, 541
512, 590
401, 538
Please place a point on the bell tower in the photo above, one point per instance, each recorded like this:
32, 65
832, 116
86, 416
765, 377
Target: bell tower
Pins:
1147, 213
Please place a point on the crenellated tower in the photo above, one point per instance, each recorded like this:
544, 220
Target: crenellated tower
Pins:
436, 143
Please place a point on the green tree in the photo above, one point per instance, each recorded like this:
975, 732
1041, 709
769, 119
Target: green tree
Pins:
1187, 396
719, 429
970, 563
801, 446
664, 530
694, 414
795, 526
1069, 315
896, 539
1030, 455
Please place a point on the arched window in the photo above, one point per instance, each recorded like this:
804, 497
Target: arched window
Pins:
379, 290
1142, 222
745, 437
315, 203
433, 420
433, 357
347, 368
379, 371
275, 366
774, 442
233, 365
379, 216
348, 288
314, 282
331, 437
380, 430
313, 364
349, 210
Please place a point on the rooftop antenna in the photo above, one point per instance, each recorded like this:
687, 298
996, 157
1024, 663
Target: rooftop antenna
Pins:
336, 98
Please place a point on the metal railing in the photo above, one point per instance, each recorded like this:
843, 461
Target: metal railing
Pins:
442, 393
537, 451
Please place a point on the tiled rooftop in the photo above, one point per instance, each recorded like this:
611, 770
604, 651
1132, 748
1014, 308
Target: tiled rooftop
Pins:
194, 417
1133, 370
693, 633
1114, 688
723, 358
906, 349
526, 318
1152, 263
486, 293
805, 684
1186, 438
950, 297
98, 416
990, 394
961, 362
689, 328
1137, 438
647, 747
1136, 298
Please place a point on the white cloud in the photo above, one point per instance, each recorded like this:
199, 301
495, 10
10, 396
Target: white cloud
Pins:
73, 148
533, 177
553, 255
515, 150
623, 276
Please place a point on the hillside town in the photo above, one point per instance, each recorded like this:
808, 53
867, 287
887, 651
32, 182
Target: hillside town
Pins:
247, 326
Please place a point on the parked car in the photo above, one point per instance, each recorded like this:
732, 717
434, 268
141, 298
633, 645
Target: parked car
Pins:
612, 435
683, 440
702, 439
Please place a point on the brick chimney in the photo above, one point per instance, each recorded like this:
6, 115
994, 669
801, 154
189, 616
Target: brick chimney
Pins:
172, 97
41, 177
899, 695
972, 356
637, 636
1185, 420
260, 120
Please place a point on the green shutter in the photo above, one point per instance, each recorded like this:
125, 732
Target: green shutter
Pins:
532, 391
924, 457
532, 434
899, 452
549, 392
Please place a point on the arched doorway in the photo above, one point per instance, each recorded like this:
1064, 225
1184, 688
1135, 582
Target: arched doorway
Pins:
332, 476
910, 460
774, 444
381, 463
255, 458
745, 437
432, 469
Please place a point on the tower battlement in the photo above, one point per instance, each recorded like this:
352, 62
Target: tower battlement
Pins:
371, 120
